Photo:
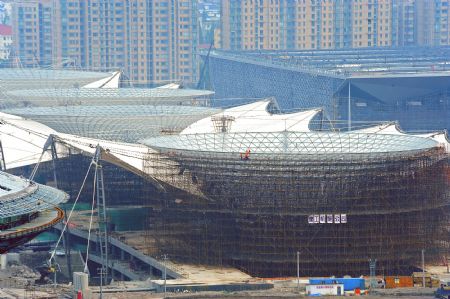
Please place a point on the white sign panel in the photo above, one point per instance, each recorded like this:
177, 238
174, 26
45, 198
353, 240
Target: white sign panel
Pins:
316, 218
324, 289
322, 218
327, 218
337, 218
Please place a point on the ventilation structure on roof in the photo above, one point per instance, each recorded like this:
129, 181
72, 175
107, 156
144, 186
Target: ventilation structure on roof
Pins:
222, 123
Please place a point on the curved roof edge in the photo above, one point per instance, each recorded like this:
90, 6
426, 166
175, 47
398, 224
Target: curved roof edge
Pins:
21, 196
109, 82
392, 128
286, 142
384, 128
253, 117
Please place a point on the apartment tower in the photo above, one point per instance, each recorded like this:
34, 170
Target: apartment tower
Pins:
152, 42
332, 24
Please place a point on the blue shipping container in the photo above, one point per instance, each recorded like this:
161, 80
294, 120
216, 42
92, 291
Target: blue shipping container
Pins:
349, 283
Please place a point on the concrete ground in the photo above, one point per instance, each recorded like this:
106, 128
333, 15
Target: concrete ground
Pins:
274, 293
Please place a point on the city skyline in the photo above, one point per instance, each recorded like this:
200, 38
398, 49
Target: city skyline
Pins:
155, 42
152, 42
333, 24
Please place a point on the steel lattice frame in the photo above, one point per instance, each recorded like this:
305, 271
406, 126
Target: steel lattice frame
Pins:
25, 197
27, 78
109, 96
125, 123
253, 213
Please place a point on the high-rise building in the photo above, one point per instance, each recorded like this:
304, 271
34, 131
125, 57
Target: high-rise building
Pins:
32, 31
331, 24
5, 41
441, 22
151, 41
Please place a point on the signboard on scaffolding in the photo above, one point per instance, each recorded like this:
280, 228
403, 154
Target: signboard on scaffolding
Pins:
337, 218
322, 218
327, 218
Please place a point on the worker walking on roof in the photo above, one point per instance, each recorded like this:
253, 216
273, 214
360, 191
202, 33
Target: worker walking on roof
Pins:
247, 154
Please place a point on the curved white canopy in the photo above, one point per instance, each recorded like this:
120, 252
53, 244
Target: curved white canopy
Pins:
254, 117
441, 137
170, 86
393, 129
109, 82
386, 128
23, 141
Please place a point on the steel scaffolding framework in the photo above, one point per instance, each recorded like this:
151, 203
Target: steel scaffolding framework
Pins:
254, 214
218, 207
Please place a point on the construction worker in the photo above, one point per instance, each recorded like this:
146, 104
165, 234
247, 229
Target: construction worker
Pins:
247, 154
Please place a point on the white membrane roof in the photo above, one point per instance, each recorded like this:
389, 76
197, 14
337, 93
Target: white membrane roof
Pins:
13, 74
29, 78
308, 143
393, 129
253, 117
127, 123
111, 93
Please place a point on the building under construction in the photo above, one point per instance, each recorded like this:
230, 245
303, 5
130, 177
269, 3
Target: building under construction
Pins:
253, 200
249, 188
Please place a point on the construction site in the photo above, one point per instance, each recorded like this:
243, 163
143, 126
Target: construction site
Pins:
259, 201
235, 197
334, 207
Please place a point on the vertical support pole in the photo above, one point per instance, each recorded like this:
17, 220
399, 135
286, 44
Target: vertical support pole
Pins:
349, 107
165, 276
54, 157
66, 245
2, 161
446, 262
101, 281
373, 272
103, 235
103, 221
423, 267
298, 271
321, 121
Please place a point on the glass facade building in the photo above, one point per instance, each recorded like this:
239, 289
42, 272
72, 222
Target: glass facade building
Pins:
409, 85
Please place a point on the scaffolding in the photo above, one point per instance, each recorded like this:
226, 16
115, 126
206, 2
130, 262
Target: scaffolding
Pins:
339, 199
256, 214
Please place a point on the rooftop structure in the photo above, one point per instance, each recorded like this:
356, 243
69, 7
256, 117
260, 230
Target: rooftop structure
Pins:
126, 123
254, 117
5, 41
109, 96
348, 63
26, 209
410, 85
32, 78
312, 145
5, 30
